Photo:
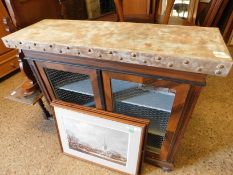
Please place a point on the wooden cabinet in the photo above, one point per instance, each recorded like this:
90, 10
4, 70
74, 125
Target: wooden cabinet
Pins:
124, 70
166, 101
8, 58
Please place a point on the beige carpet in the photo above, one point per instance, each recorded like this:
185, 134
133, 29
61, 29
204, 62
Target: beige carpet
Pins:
29, 144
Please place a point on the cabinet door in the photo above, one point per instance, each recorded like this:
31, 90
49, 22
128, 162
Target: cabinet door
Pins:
158, 100
73, 84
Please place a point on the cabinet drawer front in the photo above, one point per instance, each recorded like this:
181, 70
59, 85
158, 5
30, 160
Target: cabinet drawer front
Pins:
8, 66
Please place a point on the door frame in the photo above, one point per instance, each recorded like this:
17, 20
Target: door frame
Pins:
93, 73
180, 89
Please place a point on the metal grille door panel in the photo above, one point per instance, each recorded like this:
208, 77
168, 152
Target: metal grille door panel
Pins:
71, 87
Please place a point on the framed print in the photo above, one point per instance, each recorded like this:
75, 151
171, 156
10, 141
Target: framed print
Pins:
102, 139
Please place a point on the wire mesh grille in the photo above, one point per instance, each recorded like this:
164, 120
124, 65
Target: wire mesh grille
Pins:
157, 118
127, 93
125, 103
59, 78
154, 140
73, 97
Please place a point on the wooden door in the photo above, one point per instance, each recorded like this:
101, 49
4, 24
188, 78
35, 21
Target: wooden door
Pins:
71, 83
159, 100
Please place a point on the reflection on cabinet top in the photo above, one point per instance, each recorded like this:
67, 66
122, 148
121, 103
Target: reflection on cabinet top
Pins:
185, 48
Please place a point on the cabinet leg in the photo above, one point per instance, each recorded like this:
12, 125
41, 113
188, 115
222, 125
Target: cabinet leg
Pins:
46, 114
30, 85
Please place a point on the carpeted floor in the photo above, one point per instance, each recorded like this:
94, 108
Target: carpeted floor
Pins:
29, 144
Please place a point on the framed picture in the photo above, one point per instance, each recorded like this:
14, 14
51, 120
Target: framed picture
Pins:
112, 142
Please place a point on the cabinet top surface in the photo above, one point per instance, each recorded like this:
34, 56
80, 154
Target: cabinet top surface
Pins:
185, 48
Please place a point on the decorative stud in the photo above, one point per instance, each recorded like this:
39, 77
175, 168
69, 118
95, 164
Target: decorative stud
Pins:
133, 55
218, 72
145, 61
186, 62
121, 58
6, 41
68, 47
170, 64
79, 53
89, 50
44, 49
159, 58
60, 51
20, 42
29, 47
100, 55
199, 69
50, 46
34, 44
221, 66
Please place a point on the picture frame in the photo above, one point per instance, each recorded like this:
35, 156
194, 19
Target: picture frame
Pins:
115, 143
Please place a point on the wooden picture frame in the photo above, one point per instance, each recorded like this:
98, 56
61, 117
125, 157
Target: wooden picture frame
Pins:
115, 143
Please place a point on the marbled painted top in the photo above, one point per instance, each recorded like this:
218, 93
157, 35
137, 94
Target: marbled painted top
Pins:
185, 48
